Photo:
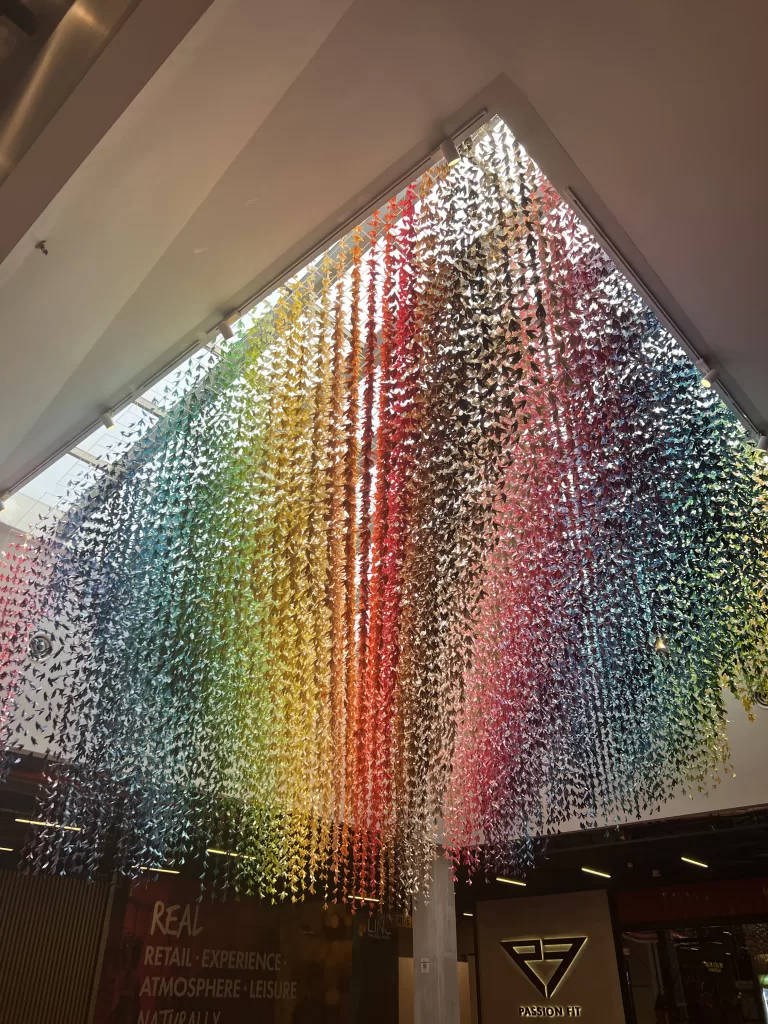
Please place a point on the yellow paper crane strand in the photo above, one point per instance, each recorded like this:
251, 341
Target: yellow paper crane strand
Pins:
367, 703
337, 556
300, 497
320, 742
350, 572
284, 620
376, 765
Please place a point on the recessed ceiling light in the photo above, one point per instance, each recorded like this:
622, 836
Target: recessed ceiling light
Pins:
593, 871
467, 914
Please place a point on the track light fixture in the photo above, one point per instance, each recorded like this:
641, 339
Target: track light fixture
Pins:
108, 422
225, 330
451, 155
708, 376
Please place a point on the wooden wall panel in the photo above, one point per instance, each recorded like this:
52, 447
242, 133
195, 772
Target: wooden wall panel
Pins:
50, 936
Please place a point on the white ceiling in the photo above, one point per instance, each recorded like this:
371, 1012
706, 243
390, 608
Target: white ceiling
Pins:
270, 125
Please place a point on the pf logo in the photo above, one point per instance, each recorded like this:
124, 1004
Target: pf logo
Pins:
544, 954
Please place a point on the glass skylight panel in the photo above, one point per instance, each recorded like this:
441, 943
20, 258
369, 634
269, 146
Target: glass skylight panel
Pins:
57, 485
181, 379
110, 444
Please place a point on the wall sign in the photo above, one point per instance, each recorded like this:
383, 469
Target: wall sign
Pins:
174, 958
535, 956
548, 956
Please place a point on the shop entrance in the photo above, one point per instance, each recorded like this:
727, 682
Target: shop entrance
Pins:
708, 974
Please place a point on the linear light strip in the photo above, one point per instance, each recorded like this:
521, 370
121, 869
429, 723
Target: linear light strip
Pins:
697, 863
228, 853
48, 824
593, 871
163, 871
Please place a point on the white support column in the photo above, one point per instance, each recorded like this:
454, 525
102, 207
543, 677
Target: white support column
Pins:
435, 971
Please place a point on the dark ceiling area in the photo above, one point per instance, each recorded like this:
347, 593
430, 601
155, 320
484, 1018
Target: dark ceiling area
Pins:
643, 855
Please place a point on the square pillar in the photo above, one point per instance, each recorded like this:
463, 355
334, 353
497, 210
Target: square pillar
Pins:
435, 970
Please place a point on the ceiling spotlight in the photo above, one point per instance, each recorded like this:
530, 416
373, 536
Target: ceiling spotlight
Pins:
451, 155
108, 422
592, 871
762, 443
696, 863
709, 378
226, 331
510, 881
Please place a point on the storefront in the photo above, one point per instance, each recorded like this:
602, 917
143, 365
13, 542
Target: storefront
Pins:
696, 953
158, 953
682, 954
161, 952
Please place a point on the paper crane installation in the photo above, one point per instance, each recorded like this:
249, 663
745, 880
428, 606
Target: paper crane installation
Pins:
452, 537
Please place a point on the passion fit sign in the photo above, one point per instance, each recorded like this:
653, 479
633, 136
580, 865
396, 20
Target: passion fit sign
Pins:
548, 956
